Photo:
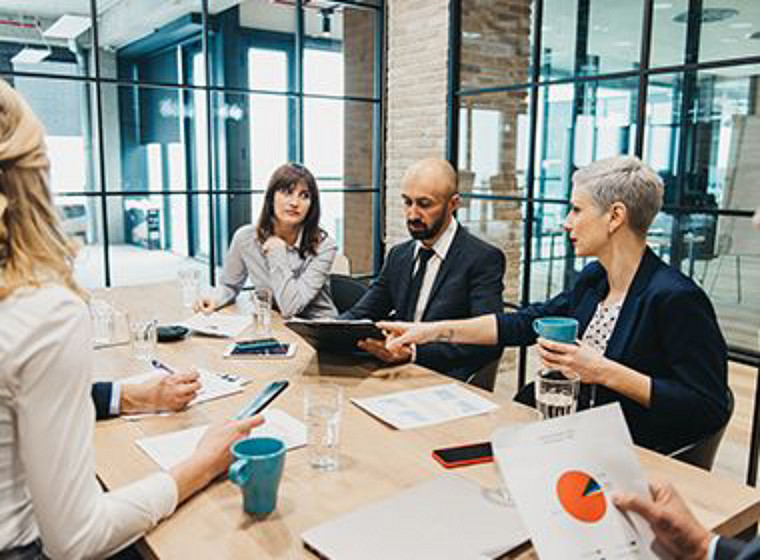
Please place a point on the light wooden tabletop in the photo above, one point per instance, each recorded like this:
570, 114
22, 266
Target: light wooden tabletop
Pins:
375, 460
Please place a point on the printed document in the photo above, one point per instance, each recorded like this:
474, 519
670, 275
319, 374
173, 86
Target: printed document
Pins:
424, 407
168, 450
223, 325
562, 473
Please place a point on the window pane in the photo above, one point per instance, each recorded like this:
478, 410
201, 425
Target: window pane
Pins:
268, 30
152, 47
339, 49
729, 29
495, 43
47, 37
151, 236
604, 38
82, 220
668, 34
720, 141
64, 109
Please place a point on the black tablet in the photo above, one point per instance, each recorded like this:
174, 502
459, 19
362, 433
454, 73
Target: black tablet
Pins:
338, 336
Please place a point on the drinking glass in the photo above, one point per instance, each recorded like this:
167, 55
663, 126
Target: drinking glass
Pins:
556, 392
323, 404
262, 309
103, 322
143, 335
190, 283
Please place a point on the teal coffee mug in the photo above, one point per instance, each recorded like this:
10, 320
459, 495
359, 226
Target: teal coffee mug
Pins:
258, 470
558, 329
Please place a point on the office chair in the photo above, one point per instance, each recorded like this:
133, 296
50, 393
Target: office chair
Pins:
701, 453
346, 291
485, 377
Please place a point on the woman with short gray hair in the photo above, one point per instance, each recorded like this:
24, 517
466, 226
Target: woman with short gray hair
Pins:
649, 338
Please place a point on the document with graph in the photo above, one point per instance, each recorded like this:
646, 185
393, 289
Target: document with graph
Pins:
562, 474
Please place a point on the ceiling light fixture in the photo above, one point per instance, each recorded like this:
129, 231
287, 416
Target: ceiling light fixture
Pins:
709, 15
33, 55
67, 27
30, 55
326, 21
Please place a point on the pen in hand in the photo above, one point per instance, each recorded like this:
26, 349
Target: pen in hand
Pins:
160, 365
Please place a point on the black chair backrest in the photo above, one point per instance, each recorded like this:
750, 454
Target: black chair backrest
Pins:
485, 377
702, 452
346, 291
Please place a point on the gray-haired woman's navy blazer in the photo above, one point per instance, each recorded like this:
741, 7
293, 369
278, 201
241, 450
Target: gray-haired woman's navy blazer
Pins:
667, 330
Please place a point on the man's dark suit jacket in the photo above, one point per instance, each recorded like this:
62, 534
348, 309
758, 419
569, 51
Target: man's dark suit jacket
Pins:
667, 330
469, 283
101, 397
732, 549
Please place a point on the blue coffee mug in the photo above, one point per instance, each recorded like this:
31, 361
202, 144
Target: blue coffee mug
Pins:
258, 470
558, 329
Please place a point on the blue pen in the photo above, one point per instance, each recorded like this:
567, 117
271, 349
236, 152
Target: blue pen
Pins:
160, 365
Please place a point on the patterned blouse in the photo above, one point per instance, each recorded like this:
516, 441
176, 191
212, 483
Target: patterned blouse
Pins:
601, 326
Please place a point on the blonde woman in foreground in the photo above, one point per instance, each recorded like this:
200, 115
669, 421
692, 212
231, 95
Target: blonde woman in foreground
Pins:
51, 505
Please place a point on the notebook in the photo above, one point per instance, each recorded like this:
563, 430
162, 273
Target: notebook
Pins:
446, 517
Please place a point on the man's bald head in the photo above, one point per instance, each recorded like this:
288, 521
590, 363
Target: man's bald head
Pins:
435, 172
429, 192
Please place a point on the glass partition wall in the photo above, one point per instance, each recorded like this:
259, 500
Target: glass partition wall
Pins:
165, 121
540, 88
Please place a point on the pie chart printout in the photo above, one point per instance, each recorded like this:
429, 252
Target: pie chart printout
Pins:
581, 496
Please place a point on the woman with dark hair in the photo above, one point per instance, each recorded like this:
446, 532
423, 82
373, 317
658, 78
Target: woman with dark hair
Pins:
286, 252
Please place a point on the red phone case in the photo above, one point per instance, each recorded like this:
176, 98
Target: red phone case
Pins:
462, 462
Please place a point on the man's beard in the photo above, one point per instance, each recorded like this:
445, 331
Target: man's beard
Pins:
427, 232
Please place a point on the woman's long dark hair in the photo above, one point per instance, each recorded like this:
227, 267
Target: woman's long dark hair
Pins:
283, 179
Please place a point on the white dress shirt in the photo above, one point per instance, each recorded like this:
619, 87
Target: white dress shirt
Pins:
48, 487
440, 249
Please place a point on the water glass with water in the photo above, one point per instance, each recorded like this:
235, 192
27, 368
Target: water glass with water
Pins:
556, 392
323, 403
143, 335
190, 283
262, 309
103, 321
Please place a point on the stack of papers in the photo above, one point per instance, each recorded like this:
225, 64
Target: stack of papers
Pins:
447, 517
168, 450
217, 324
562, 473
424, 407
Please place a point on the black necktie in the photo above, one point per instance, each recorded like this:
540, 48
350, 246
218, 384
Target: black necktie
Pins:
424, 255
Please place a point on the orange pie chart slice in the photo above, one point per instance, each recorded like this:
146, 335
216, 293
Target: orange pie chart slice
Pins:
581, 496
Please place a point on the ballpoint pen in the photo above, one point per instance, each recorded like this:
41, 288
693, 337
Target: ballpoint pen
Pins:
160, 365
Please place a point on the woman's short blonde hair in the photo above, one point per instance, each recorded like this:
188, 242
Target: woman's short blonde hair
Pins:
624, 179
33, 247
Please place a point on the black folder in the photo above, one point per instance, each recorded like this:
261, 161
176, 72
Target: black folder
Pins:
334, 335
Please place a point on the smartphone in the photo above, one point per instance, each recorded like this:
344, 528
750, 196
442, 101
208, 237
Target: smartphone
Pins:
260, 350
472, 454
262, 400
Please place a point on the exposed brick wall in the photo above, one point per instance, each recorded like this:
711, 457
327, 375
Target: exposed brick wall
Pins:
417, 59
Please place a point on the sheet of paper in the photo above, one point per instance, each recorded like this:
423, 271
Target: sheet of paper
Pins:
561, 473
455, 517
168, 450
217, 324
423, 407
213, 385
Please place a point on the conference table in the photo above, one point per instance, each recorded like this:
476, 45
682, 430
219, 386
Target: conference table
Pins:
376, 460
